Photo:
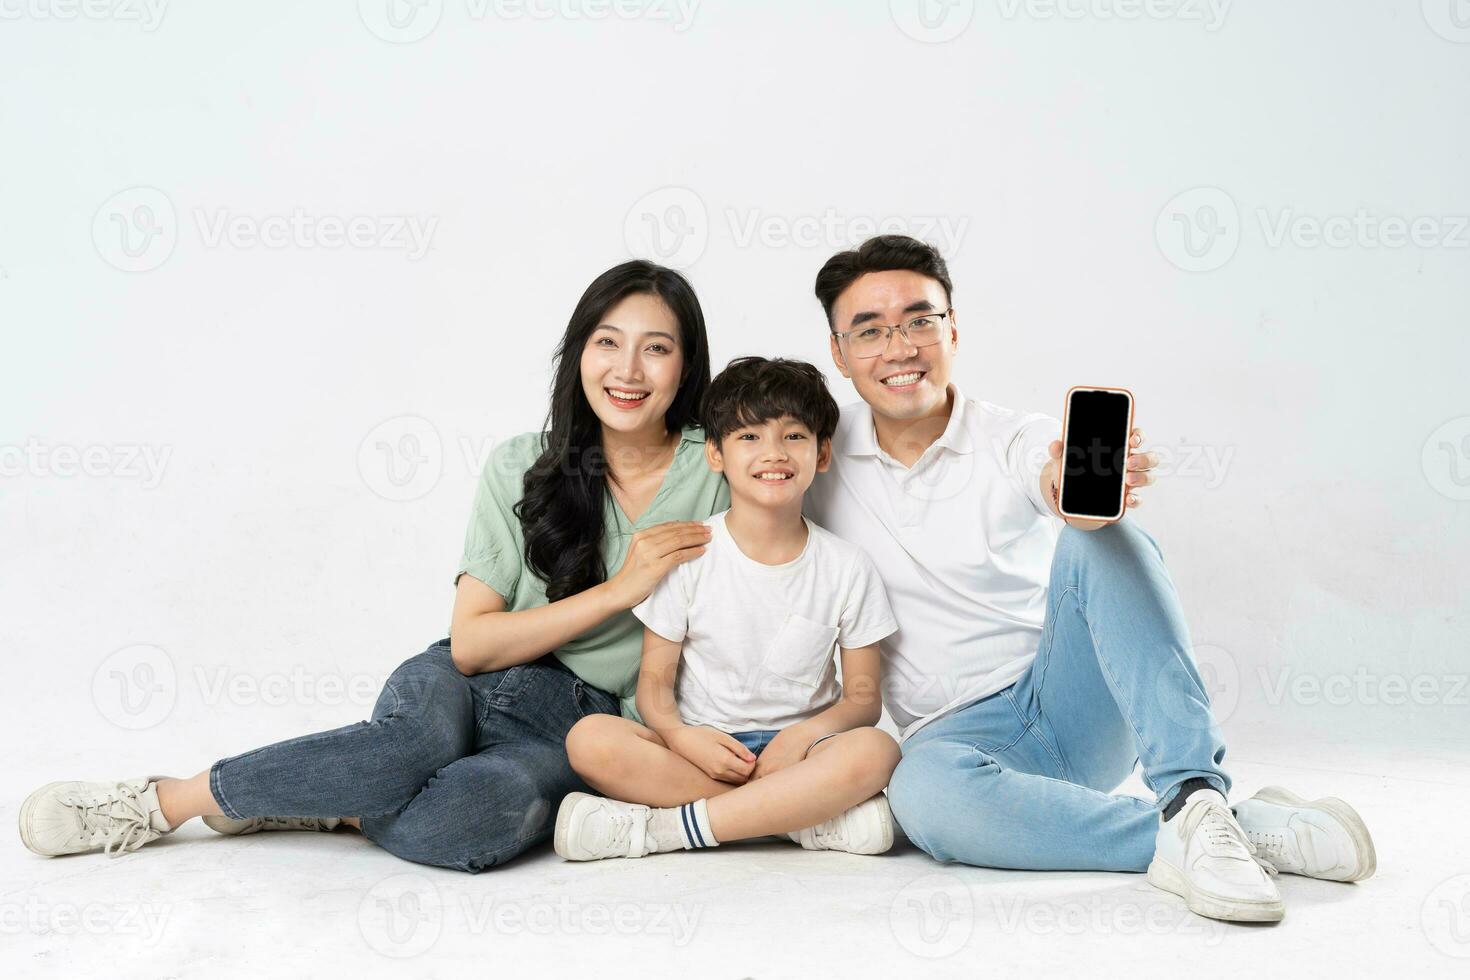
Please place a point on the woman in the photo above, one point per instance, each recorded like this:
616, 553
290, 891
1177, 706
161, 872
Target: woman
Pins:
464, 762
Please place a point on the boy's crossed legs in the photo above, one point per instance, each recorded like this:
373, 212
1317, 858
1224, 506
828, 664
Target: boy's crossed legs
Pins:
830, 799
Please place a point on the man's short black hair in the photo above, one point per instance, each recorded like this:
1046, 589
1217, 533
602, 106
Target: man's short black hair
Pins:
885, 253
753, 390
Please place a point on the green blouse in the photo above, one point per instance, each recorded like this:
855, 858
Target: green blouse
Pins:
607, 655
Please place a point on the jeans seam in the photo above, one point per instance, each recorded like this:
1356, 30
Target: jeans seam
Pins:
218, 792
1126, 708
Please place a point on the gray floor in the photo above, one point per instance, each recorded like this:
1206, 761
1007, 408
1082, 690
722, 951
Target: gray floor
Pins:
306, 904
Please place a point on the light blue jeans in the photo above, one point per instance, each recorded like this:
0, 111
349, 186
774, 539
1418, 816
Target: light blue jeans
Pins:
1021, 779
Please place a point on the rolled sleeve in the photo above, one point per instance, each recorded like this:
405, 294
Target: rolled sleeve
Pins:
492, 551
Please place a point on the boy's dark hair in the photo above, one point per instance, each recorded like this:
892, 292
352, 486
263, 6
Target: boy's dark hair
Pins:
752, 390
885, 253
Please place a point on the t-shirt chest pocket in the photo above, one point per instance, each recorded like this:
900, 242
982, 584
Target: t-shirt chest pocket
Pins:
800, 650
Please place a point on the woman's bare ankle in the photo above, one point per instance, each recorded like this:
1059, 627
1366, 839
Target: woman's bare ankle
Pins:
181, 800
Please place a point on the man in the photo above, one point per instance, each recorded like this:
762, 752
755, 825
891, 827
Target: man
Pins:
1035, 664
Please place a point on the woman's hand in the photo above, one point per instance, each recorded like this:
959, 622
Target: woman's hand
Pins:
652, 553
718, 756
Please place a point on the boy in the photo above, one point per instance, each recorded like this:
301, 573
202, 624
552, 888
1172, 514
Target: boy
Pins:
747, 732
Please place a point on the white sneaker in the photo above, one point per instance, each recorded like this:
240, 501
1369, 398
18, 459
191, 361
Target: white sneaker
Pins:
77, 817
1204, 856
1318, 838
589, 828
253, 825
864, 829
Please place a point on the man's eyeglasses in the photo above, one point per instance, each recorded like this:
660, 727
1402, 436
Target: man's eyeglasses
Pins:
871, 339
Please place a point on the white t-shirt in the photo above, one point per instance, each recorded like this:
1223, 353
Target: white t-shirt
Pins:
964, 541
759, 639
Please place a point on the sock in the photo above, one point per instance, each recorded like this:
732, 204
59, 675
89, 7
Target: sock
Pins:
1186, 788
689, 825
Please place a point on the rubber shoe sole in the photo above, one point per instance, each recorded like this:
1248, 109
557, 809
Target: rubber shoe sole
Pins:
1163, 875
1338, 809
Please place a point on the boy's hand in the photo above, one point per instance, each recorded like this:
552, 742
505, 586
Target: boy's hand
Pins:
718, 756
786, 749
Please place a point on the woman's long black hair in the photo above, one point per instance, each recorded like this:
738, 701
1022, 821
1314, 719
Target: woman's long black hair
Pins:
564, 492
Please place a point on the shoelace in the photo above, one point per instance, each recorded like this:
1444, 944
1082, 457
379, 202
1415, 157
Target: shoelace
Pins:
630, 828
1222, 831
123, 832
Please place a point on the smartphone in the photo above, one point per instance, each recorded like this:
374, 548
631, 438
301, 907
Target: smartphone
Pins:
1095, 430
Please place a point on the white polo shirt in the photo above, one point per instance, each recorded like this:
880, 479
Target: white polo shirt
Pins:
963, 541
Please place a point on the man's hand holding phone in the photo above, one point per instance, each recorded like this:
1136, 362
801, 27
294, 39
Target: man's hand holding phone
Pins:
1081, 480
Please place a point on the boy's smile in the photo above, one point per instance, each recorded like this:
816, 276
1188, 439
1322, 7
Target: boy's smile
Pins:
770, 463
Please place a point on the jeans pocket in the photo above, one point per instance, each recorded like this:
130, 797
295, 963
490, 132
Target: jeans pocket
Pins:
509, 685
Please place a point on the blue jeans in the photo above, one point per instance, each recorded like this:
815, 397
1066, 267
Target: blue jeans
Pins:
1020, 779
455, 771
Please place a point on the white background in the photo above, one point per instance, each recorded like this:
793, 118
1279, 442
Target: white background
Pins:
1111, 182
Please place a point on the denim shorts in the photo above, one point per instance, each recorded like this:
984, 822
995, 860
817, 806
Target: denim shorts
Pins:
757, 741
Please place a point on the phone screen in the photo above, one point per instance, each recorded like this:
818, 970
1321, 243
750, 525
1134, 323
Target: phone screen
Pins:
1096, 452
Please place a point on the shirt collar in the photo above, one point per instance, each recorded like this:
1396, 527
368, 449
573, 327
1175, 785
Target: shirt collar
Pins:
863, 439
